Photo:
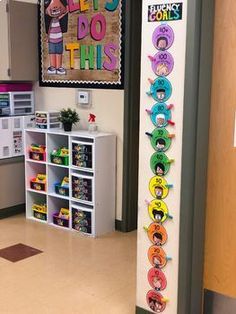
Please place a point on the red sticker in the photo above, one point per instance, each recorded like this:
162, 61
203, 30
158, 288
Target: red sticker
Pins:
155, 301
157, 279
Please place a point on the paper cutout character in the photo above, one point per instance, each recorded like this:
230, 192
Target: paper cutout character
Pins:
157, 279
157, 234
56, 23
158, 215
159, 169
159, 192
157, 238
157, 256
156, 301
160, 120
161, 94
162, 43
160, 144
162, 69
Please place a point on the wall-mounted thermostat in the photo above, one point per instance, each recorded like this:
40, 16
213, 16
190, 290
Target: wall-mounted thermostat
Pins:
84, 98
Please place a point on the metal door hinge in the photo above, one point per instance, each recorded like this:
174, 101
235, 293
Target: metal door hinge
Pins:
9, 72
7, 7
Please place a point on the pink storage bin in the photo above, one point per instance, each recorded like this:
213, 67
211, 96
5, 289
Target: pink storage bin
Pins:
16, 87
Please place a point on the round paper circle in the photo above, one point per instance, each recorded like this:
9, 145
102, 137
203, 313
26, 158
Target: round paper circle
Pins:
157, 234
157, 279
161, 140
157, 256
158, 187
161, 89
162, 63
155, 301
160, 164
160, 115
163, 37
158, 211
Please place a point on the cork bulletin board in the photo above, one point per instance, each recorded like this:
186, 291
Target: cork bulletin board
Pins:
81, 43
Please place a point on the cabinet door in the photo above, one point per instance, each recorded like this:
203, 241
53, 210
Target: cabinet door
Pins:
17, 136
6, 138
4, 40
23, 42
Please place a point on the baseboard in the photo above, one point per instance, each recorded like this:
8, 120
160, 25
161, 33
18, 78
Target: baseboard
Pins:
118, 225
139, 310
12, 211
215, 303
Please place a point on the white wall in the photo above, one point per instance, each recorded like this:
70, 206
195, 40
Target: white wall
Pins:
108, 106
145, 174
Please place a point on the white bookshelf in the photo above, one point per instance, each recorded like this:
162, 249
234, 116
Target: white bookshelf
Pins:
92, 176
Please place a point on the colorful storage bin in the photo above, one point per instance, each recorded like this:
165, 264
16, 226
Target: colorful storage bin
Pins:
61, 222
82, 220
62, 218
38, 183
60, 160
82, 155
60, 156
37, 152
61, 190
38, 186
40, 211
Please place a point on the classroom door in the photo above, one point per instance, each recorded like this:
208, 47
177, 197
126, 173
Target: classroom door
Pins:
220, 238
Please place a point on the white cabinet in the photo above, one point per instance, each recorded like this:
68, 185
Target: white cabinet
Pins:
91, 172
12, 137
19, 41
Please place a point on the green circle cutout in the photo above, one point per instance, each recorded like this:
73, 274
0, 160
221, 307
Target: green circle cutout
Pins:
160, 164
160, 140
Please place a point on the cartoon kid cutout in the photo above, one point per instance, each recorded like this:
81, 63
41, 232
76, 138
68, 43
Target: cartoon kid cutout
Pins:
162, 43
56, 23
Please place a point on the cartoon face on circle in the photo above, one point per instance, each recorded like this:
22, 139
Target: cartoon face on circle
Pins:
160, 164
157, 234
158, 211
158, 192
157, 279
160, 144
160, 169
157, 238
161, 89
163, 37
158, 187
160, 120
162, 43
161, 139
161, 94
157, 256
160, 115
162, 69
162, 63
156, 301
158, 215
55, 8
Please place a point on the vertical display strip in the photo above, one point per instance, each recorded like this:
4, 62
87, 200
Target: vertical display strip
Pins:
163, 55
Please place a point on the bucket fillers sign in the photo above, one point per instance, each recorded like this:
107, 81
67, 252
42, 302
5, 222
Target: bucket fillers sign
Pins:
81, 43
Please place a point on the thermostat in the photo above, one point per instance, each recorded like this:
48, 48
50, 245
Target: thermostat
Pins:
84, 98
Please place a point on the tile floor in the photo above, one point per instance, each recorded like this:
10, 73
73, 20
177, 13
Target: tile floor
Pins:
73, 275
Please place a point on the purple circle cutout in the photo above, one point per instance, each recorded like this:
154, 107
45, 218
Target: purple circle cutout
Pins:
162, 63
163, 37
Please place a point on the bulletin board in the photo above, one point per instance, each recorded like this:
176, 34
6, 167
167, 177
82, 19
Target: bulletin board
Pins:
164, 28
81, 43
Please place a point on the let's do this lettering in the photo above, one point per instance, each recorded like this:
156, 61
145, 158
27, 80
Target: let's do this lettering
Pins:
81, 41
165, 12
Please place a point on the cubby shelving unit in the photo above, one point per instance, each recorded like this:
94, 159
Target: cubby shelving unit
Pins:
92, 179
